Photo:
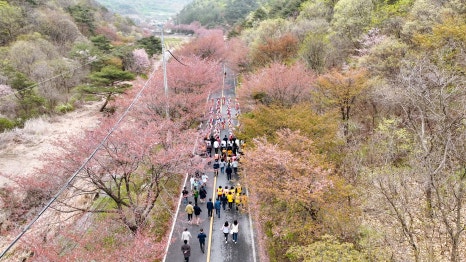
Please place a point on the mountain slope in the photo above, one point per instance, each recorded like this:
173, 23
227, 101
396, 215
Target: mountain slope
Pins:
146, 9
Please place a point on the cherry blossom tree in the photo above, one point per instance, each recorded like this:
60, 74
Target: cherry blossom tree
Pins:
291, 191
190, 81
141, 62
208, 44
130, 170
277, 84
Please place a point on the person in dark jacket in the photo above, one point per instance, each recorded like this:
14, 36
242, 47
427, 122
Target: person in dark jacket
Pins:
228, 170
202, 236
197, 213
210, 207
224, 201
202, 194
186, 249
218, 206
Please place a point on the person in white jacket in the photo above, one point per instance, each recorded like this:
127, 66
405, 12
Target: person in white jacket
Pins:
234, 230
226, 230
186, 235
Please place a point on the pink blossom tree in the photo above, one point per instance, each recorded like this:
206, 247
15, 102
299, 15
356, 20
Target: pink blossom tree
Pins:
278, 84
141, 62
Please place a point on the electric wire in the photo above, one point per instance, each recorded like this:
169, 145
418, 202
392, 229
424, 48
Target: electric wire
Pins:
53, 77
73, 176
175, 58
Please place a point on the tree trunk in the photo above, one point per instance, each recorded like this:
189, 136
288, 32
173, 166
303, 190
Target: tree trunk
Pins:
102, 108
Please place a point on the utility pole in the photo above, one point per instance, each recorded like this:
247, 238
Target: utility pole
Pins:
165, 84
223, 88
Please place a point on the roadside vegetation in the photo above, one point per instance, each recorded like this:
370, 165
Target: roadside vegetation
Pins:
353, 113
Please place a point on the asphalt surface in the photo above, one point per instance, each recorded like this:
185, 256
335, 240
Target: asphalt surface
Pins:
216, 250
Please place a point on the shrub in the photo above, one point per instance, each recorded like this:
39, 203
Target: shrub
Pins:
6, 124
64, 108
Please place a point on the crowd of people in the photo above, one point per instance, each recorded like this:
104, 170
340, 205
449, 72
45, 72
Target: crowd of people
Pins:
224, 155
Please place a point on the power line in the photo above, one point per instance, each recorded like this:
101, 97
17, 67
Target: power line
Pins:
72, 177
48, 79
59, 75
175, 58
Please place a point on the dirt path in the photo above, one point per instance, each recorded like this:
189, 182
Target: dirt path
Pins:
21, 149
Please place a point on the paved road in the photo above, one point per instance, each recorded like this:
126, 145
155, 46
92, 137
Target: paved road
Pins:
244, 249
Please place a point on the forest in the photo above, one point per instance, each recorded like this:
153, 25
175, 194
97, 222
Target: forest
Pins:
363, 159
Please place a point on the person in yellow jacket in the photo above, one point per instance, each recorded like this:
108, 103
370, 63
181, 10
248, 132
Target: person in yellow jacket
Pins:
244, 201
189, 210
238, 201
219, 192
233, 191
238, 188
230, 198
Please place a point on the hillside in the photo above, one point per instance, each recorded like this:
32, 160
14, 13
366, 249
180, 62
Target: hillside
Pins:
145, 10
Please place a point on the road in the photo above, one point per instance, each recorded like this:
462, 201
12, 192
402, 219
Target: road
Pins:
216, 248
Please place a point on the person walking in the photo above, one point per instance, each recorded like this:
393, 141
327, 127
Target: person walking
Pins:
216, 146
219, 192
224, 201
234, 230
234, 165
189, 210
222, 166
216, 166
185, 194
244, 201
195, 195
186, 235
204, 178
208, 146
230, 198
201, 236
191, 180
228, 170
186, 249
218, 206
239, 189
237, 201
203, 194
210, 207
197, 213
226, 230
